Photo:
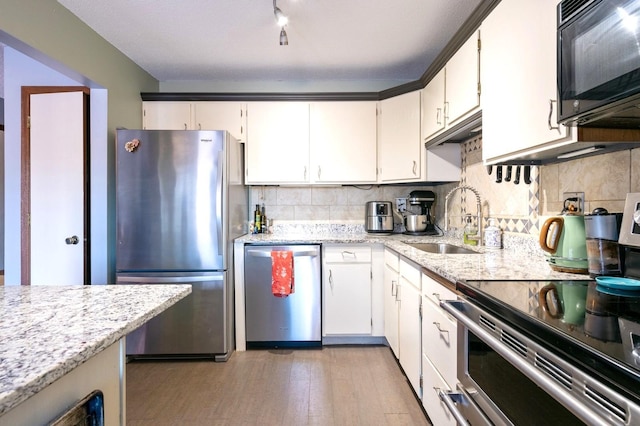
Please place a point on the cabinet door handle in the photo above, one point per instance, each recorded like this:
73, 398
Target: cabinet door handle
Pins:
394, 288
185, 126
331, 281
446, 110
305, 172
319, 172
440, 329
415, 166
398, 295
438, 118
551, 101
437, 296
199, 126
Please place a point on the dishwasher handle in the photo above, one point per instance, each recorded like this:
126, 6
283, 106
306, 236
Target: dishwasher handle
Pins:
267, 253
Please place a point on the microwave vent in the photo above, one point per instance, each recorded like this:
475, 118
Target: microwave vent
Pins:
487, 323
568, 8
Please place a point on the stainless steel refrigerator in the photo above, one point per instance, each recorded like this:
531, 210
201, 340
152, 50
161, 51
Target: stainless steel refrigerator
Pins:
180, 202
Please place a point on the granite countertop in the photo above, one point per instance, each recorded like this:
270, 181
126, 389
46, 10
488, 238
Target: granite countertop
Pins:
47, 331
515, 263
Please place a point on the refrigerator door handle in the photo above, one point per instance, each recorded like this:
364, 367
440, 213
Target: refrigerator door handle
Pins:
219, 201
132, 279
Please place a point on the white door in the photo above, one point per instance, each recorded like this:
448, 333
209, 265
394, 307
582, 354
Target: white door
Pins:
57, 137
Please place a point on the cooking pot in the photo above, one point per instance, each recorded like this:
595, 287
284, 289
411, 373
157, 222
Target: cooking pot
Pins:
564, 239
415, 222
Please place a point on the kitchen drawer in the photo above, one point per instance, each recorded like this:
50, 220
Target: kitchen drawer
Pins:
410, 272
436, 291
440, 340
433, 405
344, 253
391, 258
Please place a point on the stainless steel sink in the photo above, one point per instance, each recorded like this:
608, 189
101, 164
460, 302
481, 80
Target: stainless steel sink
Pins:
441, 248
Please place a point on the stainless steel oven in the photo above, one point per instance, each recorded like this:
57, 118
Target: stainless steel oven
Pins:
520, 365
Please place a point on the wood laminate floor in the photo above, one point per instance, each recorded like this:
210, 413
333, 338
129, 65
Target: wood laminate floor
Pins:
335, 385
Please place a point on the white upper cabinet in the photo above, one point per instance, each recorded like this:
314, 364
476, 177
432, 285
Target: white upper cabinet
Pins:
519, 80
228, 116
277, 150
400, 149
433, 103
343, 142
454, 93
166, 116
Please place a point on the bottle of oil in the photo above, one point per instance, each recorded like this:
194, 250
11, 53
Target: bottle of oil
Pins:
257, 220
470, 232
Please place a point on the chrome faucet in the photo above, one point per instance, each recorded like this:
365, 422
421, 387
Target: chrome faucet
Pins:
478, 206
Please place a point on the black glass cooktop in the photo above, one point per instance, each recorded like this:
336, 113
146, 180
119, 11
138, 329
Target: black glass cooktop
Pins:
596, 327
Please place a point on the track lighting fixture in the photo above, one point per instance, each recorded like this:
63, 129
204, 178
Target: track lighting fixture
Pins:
282, 20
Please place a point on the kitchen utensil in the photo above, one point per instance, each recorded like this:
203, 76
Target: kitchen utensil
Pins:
415, 222
507, 178
498, 174
602, 231
517, 178
489, 170
564, 239
378, 217
527, 174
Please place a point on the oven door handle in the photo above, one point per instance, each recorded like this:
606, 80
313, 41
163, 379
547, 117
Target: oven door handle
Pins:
450, 398
547, 384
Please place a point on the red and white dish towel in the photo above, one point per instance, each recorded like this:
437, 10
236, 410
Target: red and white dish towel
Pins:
282, 284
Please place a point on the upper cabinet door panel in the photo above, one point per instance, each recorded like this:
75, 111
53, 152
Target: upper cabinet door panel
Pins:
519, 79
462, 79
228, 116
400, 149
277, 148
433, 105
343, 142
167, 115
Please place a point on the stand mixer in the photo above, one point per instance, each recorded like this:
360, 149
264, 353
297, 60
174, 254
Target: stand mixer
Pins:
417, 219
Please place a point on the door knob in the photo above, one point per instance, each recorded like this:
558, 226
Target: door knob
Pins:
72, 240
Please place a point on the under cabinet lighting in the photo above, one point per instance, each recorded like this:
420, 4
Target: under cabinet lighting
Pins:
581, 152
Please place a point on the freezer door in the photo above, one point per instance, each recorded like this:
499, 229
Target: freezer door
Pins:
197, 325
170, 200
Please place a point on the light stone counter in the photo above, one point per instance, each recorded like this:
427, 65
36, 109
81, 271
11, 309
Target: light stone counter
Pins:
48, 331
516, 262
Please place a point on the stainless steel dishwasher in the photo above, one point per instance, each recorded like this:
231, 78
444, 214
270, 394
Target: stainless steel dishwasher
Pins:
292, 321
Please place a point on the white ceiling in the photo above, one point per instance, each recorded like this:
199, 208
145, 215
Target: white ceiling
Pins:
236, 40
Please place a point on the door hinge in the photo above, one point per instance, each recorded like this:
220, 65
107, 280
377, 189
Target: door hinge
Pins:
28, 122
420, 308
479, 88
421, 382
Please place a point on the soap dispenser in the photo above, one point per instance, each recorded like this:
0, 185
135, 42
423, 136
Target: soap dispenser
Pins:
470, 233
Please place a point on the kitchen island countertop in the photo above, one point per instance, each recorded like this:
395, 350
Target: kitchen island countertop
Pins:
47, 331
501, 264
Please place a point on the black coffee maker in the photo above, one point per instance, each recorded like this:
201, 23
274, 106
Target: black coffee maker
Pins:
423, 200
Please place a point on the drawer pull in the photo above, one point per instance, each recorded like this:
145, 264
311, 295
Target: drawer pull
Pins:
436, 295
437, 324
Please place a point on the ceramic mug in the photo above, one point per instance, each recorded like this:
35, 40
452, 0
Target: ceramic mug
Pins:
568, 301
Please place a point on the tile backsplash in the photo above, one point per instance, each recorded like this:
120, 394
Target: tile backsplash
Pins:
605, 180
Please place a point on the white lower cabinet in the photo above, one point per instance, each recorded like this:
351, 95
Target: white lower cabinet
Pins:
347, 290
391, 305
409, 323
439, 349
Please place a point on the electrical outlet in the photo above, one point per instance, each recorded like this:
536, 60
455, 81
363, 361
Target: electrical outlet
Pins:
401, 204
573, 202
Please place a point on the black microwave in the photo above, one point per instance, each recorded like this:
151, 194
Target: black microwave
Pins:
599, 63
